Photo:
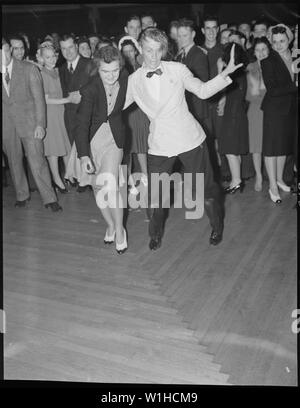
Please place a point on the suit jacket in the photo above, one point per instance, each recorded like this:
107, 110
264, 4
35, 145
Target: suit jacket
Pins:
197, 62
281, 90
74, 82
25, 107
92, 113
173, 129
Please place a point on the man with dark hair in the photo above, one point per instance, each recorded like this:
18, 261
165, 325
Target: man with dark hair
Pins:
24, 124
214, 50
18, 46
260, 29
158, 88
233, 25
245, 28
147, 20
133, 27
94, 40
74, 74
195, 58
238, 38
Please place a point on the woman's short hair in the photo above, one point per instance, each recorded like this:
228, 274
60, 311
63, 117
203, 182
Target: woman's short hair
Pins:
129, 42
238, 33
156, 35
261, 40
256, 41
83, 40
108, 54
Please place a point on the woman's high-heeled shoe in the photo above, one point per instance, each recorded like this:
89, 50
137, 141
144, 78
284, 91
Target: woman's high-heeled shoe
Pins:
233, 190
121, 248
61, 190
109, 239
275, 198
284, 187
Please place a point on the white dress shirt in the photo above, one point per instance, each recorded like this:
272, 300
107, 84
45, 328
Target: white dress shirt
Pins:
153, 83
74, 63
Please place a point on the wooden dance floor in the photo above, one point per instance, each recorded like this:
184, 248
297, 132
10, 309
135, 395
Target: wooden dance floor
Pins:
188, 313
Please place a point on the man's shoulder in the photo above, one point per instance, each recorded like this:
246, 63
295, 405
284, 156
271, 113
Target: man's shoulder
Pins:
216, 49
136, 74
85, 61
92, 84
197, 53
198, 50
25, 65
173, 66
28, 67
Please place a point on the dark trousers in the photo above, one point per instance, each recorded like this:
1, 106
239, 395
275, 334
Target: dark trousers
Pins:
193, 161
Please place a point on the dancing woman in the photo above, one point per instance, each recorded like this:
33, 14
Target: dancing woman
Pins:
100, 138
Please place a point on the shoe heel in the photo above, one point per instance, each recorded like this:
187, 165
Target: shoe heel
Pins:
274, 198
121, 248
109, 239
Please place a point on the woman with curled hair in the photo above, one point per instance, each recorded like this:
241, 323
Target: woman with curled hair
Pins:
279, 107
100, 137
84, 47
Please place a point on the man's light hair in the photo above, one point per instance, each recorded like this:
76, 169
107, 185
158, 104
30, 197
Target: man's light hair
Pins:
156, 35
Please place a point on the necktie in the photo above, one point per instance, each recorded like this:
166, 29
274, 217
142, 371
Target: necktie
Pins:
158, 71
182, 56
7, 78
71, 69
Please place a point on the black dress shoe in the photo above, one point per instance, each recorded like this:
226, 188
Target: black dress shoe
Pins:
61, 190
54, 206
215, 237
33, 189
21, 203
82, 189
232, 190
155, 243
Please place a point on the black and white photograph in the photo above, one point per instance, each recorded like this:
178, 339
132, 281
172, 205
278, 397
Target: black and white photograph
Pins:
150, 195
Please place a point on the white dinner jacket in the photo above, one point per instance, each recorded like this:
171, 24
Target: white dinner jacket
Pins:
173, 129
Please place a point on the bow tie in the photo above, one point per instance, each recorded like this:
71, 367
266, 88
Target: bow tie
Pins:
158, 71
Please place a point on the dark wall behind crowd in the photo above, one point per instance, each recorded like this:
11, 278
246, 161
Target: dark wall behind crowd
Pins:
37, 21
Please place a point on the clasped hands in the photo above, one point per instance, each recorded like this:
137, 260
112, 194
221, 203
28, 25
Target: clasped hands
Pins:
87, 165
74, 97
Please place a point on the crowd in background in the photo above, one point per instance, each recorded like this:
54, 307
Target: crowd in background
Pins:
250, 125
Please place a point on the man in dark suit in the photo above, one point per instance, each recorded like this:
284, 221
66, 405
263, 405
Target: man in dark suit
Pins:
24, 123
74, 74
195, 58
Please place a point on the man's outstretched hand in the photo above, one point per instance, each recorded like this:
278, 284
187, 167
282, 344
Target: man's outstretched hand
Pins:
231, 67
